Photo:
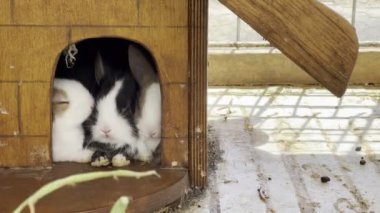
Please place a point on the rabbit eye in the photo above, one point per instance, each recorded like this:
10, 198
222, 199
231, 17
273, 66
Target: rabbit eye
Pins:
125, 110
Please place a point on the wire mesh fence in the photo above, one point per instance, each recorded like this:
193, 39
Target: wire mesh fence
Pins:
225, 28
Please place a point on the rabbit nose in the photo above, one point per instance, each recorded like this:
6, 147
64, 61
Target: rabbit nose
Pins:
106, 131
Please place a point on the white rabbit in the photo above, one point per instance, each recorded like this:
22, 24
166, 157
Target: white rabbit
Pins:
72, 105
148, 118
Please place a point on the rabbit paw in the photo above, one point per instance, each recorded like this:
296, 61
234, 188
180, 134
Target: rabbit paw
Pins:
145, 158
120, 160
100, 161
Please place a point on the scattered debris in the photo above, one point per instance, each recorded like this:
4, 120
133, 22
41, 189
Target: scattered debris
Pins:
345, 167
247, 125
193, 196
214, 152
2, 110
362, 161
325, 179
226, 110
230, 181
263, 193
358, 149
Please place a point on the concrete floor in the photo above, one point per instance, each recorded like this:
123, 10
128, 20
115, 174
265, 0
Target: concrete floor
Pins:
282, 140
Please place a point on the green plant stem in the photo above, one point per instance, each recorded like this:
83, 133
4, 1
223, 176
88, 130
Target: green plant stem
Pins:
121, 205
74, 179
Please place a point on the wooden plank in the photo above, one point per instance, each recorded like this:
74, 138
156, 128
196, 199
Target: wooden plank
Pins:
170, 54
320, 41
163, 13
198, 11
9, 109
5, 12
148, 194
175, 110
24, 151
175, 125
35, 109
30, 53
74, 13
175, 152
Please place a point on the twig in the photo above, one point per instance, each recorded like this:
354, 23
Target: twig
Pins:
74, 179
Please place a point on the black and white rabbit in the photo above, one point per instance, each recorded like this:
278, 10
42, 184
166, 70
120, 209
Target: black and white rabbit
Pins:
72, 105
148, 115
111, 129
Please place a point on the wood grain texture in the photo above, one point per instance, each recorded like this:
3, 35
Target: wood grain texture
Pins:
148, 194
175, 110
320, 41
163, 13
41, 29
73, 12
30, 53
5, 12
169, 46
35, 109
198, 11
24, 151
101, 13
9, 109
175, 152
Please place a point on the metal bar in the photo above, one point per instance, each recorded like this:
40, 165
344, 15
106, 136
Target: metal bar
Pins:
238, 22
265, 44
353, 15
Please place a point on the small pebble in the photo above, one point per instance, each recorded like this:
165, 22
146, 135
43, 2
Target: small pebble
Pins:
362, 161
325, 179
358, 149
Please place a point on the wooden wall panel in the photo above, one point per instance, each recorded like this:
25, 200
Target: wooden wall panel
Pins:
164, 13
24, 151
198, 92
169, 46
8, 109
30, 53
175, 152
5, 12
35, 109
74, 12
175, 110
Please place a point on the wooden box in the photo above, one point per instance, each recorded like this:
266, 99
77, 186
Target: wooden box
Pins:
33, 34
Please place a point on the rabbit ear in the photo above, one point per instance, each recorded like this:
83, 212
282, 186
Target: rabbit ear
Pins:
141, 67
99, 68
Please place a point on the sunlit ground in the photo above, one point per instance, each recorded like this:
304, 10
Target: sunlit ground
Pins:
309, 120
283, 140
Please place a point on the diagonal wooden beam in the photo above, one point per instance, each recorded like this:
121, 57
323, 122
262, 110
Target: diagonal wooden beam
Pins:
316, 38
